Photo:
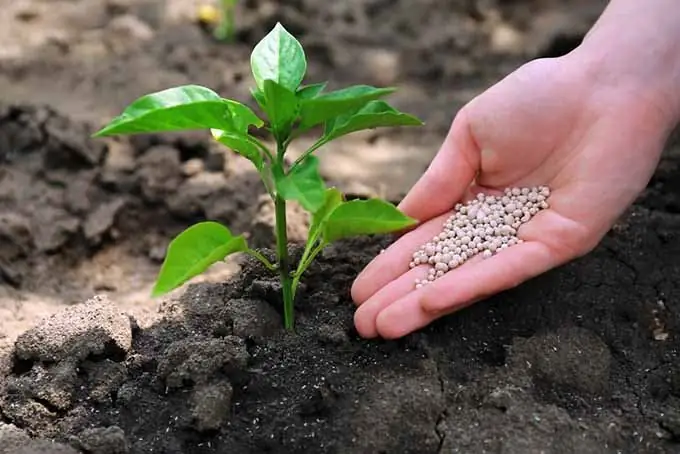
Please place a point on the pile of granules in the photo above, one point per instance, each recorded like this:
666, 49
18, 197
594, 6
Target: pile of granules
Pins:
485, 225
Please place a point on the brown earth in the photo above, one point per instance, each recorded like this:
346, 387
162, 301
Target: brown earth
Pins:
582, 359
85, 60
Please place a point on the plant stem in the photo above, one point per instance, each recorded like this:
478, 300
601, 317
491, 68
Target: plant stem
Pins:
284, 263
282, 244
304, 264
269, 265
262, 147
319, 143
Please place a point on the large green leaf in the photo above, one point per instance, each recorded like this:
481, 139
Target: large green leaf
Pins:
332, 199
324, 107
242, 144
303, 183
310, 91
282, 107
193, 251
364, 217
279, 57
373, 115
180, 108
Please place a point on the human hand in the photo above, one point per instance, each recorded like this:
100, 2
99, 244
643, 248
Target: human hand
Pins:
593, 142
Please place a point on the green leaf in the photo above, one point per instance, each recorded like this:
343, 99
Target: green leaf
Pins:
364, 217
310, 91
373, 115
179, 108
193, 251
259, 97
303, 183
332, 199
242, 144
241, 117
282, 107
279, 57
330, 105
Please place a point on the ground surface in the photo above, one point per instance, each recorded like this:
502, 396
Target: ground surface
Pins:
85, 60
580, 360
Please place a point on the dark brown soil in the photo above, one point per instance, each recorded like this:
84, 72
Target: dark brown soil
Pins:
580, 360
583, 359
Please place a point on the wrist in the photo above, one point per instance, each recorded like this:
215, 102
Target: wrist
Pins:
634, 50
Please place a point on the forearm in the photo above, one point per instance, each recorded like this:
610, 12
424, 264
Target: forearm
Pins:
635, 45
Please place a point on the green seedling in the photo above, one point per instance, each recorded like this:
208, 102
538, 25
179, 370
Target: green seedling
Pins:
278, 65
225, 27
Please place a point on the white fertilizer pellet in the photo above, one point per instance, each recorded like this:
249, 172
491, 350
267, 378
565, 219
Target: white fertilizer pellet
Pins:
485, 225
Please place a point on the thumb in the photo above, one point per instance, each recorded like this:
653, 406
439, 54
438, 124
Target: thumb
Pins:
448, 176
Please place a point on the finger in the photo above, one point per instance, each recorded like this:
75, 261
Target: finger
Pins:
365, 315
503, 271
462, 287
394, 261
403, 317
448, 176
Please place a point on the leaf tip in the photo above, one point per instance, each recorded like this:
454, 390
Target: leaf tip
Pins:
158, 290
411, 221
103, 132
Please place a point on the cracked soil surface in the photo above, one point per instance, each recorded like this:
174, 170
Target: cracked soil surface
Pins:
583, 359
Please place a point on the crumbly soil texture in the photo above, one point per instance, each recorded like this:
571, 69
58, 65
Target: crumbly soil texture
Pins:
583, 359
580, 360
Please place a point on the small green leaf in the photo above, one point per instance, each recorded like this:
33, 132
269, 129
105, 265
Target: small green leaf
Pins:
373, 115
193, 251
332, 199
179, 108
279, 57
242, 144
282, 107
330, 105
303, 183
364, 217
310, 91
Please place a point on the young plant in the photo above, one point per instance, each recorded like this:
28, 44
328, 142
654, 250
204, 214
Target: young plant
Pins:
220, 17
225, 27
278, 65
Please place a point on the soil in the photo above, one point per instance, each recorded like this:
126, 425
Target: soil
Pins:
582, 359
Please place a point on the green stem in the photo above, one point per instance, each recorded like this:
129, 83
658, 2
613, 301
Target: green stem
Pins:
308, 249
304, 264
266, 180
282, 245
262, 147
312, 149
269, 265
284, 263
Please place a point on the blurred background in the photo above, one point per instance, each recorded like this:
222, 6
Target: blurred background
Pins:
81, 216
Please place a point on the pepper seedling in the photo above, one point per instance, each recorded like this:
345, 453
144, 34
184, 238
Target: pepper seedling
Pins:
220, 17
278, 64
225, 27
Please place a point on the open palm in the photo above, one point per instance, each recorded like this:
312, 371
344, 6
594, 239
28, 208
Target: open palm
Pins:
549, 123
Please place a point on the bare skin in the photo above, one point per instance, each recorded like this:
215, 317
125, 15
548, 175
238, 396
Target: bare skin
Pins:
591, 125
